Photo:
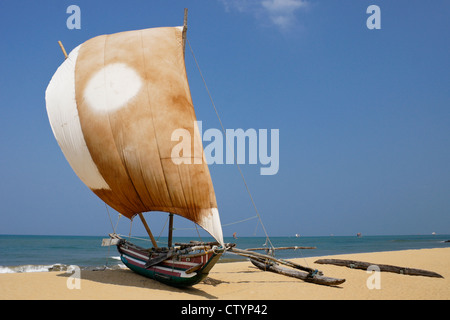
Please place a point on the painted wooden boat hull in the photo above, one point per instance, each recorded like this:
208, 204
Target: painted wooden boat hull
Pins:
178, 270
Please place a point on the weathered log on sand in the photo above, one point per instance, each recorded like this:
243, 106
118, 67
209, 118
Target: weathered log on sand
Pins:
383, 267
308, 277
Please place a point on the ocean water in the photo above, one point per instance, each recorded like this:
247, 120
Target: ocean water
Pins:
22, 253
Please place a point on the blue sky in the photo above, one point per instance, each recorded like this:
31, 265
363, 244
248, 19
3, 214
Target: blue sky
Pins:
363, 115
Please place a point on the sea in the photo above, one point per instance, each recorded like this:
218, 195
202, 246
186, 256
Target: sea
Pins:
39, 253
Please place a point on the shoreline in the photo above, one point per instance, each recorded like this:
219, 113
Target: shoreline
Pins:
243, 281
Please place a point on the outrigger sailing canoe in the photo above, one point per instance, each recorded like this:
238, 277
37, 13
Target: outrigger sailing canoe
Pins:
114, 105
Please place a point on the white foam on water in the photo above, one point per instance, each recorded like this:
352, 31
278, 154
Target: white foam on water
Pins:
32, 268
56, 267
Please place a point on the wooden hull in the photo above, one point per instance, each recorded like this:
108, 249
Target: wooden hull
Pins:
178, 270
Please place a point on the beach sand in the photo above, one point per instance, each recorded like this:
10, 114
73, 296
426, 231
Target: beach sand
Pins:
243, 281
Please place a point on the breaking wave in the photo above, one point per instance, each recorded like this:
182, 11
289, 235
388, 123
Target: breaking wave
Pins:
53, 267
33, 268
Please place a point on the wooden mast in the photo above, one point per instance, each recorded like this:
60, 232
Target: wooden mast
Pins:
148, 230
184, 30
62, 48
169, 241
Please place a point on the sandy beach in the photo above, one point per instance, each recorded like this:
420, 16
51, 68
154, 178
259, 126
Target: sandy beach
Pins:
243, 281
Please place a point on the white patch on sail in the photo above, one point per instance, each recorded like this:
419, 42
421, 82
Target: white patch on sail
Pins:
63, 116
211, 223
112, 87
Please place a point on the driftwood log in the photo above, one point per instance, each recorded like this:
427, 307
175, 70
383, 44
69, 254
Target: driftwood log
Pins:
307, 277
383, 267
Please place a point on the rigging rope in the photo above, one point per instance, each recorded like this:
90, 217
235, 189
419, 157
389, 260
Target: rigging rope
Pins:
160, 233
110, 220
229, 224
223, 130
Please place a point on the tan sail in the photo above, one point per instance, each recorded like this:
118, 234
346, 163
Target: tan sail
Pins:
114, 105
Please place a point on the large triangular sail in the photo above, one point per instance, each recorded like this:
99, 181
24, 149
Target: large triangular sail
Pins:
114, 105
